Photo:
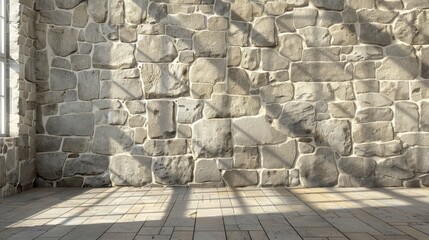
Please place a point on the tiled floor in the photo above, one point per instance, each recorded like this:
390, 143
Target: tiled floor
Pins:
223, 213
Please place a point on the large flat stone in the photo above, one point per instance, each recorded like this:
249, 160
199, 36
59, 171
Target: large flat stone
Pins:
206, 170
88, 85
369, 132
279, 156
274, 178
124, 89
395, 167
156, 49
71, 125
357, 166
157, 147
97, 10
212, 138
383, 149
415, 139
173, 170
130, 170
63, 40
240, 178
318, 169
412, 27
223, 106
86, 164
406, 117
253, 131
50, 165
189, 110
210, 44
374, 33
113, 55
165, 80
207, 70
297, 119
398, 68
111, 140
321, 72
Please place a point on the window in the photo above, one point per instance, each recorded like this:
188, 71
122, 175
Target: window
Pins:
3, 73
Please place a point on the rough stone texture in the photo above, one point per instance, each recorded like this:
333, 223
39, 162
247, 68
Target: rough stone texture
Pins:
50, 165
297, 119
264, 32
210, 44
320, 72
246, 157
63, 40
335, 134
212, 138
254, 131
161, 122
86, 164
318, 169
223, 81
130, 170
279, 156
164, 80
156, 49
173, 170
112, 140
406, 117
274, 178
240, 178
412, 28
377, 131
382, 149
119, 55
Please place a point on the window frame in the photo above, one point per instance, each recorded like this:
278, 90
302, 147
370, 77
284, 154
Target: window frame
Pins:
4, 69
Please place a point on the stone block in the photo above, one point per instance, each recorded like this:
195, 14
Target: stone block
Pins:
369, 132
50, 165
274, 177
130, 170
206, 170
253, 131
135, 11
373, 100
156, 49
318, 169
48, 143
62, 79
412, 28
238, 33
212, 138
120, 55
374, 115
343, 34
71, 125
86, 164
374, 33
296, 119
238, 81
342, 109
56, 17
210, 44
111, 140
291, 46
406, 117
223, 106
97, 181
165, 80
240, 178
273, 61
75, 145
398, 68
279, 156
395, 167
264, 32
97, 10
189, 110
170, 147
124, 89
173, 170
250, 58
189, 21
316, 36
161, 121
246, 157
321, 72
335, 134
277, 93
242, 11
207, 70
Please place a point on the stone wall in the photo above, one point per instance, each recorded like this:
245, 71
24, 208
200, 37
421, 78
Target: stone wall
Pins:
213, 92
17, 151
